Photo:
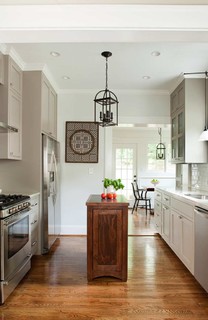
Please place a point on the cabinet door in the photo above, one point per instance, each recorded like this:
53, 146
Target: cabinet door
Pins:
178, 137
15, 120
15, 77
45, 104
52, 117
1, 68
187, 245
174, 101
49, 109
166, 223
175, 232
15, 145
107, 241
181, 95
15, 110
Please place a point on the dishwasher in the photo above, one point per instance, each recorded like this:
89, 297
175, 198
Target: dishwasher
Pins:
201, 247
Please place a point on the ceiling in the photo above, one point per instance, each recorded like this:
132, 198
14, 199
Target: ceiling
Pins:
185, 49
130, 62
59, 2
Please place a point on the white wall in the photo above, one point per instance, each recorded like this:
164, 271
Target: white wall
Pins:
76, 182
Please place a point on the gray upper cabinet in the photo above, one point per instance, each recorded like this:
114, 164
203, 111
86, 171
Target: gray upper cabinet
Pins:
187, 122
49, 108
1, 68
11, 110
40, 95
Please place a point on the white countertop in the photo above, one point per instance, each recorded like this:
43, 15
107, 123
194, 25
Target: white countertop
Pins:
180, 194
28, 192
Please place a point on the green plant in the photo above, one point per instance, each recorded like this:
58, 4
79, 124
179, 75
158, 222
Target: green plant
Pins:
154, 181
117, 184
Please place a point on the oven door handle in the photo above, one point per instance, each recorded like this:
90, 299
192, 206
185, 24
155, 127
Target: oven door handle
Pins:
6, 282
10, 219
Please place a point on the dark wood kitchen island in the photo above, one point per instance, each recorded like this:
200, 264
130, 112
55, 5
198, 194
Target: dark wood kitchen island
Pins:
107, 237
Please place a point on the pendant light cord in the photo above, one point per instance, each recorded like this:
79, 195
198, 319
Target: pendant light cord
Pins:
106, 74
159, 131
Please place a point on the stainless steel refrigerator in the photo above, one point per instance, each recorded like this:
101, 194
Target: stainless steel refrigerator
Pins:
50, 192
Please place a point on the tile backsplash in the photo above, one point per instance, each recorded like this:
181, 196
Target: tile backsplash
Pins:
199, 176
194, 176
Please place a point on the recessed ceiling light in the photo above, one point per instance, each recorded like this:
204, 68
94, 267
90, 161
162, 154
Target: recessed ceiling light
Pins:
155, 53
146, 77
65, 78
54, 54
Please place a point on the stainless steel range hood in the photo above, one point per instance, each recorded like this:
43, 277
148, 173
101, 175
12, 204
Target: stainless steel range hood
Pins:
4, 128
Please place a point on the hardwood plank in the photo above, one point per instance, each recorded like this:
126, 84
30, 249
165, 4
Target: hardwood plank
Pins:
159, 287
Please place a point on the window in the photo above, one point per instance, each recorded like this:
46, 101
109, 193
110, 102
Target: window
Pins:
124, 167
159, 165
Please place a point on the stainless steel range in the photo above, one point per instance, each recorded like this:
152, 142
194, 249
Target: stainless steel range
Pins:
15, 241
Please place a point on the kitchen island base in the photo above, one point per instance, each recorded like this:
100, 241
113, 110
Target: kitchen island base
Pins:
107, 237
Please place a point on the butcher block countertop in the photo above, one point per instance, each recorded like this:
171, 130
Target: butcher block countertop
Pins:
95, 199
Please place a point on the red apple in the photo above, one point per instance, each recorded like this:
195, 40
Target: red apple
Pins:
110, 195
103, 195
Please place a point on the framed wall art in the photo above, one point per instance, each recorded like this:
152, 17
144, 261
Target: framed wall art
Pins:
81, 142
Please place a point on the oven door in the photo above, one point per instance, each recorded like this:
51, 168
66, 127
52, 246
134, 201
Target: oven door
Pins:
17, 242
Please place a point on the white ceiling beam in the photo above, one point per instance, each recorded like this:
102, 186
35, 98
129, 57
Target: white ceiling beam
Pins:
61, 23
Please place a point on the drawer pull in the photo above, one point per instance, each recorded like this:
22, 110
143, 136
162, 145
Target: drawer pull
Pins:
34, 204
34, 243
34, 221
165, 208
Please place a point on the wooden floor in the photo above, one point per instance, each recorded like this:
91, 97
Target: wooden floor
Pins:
158, 286
140, 223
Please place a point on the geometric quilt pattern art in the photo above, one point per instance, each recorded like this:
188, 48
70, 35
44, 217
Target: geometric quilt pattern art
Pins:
81, 142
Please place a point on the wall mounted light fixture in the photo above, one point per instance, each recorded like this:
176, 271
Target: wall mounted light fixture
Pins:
106, 102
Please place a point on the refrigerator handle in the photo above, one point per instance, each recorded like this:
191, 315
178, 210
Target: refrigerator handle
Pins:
55, 177
48, 184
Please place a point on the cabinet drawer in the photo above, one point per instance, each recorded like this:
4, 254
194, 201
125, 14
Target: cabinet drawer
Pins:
182, 207
34, 245
158, 195
34, 203
166, 199
158, 206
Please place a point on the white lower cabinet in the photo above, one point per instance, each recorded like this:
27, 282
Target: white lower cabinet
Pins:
174, 221
166, 223
158, 215
34, 222
182, 238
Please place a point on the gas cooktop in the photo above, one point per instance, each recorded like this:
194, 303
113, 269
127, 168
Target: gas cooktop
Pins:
10, 201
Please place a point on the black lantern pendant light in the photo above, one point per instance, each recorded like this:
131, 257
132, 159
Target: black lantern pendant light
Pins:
160, 149
106, 102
